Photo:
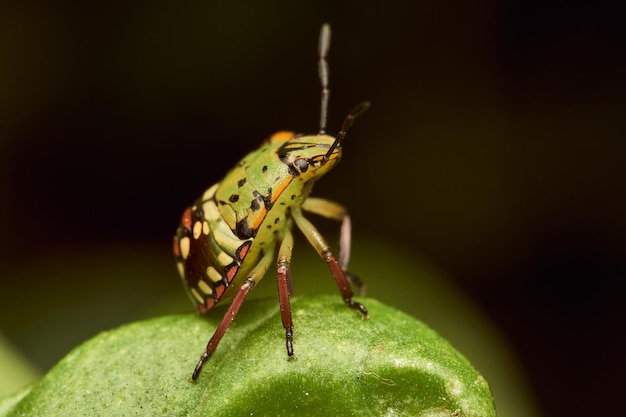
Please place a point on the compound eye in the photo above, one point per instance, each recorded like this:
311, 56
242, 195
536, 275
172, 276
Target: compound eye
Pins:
302, 164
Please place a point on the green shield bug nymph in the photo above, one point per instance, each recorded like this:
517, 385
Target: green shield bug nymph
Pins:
231, 235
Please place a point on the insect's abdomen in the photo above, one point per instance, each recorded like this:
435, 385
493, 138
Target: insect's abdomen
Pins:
215, 243
209, 255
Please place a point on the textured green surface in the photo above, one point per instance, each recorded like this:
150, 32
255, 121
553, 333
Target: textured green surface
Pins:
388, 365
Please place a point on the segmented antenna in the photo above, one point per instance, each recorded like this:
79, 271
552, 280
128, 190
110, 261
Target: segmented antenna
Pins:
347, 124
322, 68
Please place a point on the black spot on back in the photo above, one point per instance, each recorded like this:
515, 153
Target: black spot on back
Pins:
197, 215
244, 231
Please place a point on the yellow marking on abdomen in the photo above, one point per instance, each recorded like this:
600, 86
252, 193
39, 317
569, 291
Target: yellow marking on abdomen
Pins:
184, 247
208, 194
210, 210
197, 296
213, 274
227, 238
197, 229
224, 258
204, 287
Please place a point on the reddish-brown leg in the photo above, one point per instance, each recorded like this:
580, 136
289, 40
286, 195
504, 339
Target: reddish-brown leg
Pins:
284, 288
317, 241
335, 211
343, 283
223, 326
255, 276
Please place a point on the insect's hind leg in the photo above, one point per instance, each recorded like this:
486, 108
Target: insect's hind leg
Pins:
317, 241
253, 277
336, 211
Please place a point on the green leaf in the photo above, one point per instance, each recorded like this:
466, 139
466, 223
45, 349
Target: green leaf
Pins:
388, 365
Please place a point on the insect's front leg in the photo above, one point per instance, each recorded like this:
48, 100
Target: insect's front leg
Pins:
335, 211
284, 283
253, 277
319, 243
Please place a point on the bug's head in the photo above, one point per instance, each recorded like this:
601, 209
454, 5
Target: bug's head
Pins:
314, 155
310, 156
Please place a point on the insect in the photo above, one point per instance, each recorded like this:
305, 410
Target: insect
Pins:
231, 235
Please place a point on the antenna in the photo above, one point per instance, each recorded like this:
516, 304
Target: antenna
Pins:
347, 124
322, 68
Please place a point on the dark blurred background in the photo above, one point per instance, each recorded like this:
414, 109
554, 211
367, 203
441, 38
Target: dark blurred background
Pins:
493, 149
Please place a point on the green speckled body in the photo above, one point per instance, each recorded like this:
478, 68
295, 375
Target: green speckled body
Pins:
228, 230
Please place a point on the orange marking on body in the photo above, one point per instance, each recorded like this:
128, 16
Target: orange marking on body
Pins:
186, 218
219, 290
281, 187
259, 219
260, 214
230, 274
281, 136
243, 250
209, 303
176, 248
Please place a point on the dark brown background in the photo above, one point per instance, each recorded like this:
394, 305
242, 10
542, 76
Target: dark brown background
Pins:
494, 149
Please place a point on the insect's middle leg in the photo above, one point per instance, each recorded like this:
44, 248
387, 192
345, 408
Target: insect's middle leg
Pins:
284, 287
253, 277
319, 243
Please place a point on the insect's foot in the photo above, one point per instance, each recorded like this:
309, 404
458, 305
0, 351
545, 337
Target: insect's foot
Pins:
196, 372
357, 306
289, 343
